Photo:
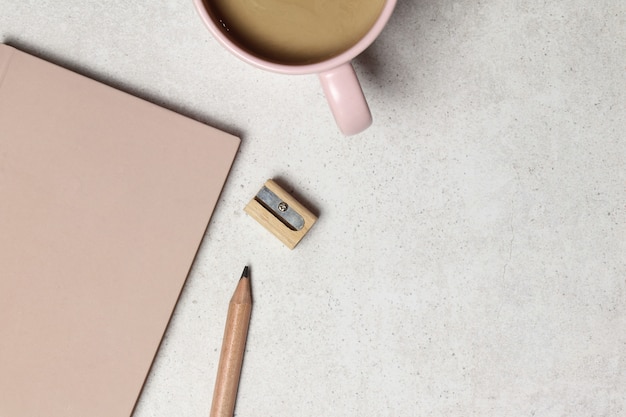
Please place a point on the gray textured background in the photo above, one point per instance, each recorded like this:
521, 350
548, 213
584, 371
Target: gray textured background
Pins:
470, 256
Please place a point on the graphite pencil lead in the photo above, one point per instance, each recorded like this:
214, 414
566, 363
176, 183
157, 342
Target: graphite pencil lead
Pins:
245, 273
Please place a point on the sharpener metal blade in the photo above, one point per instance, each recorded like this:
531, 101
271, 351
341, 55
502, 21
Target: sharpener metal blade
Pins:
280, 209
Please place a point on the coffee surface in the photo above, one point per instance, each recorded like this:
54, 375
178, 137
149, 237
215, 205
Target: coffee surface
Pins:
295, 31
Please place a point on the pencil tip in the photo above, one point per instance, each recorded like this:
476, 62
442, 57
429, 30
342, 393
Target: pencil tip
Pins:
245, 273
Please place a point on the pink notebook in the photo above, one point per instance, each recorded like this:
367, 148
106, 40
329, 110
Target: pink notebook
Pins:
104, 200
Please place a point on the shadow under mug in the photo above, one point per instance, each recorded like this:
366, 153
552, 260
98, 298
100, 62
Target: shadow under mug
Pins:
339, 81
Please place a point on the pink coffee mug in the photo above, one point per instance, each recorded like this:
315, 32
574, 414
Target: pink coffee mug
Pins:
339, 81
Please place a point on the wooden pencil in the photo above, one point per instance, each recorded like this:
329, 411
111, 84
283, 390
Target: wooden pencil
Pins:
233, 346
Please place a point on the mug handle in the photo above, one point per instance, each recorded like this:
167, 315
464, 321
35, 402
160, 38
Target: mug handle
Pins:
345, 97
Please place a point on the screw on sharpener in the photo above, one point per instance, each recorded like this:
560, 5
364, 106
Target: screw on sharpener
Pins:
281, 214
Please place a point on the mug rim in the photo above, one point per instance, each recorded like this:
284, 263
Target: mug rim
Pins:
317, 67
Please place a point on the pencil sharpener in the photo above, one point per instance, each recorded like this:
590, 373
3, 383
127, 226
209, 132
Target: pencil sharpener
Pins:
281, 214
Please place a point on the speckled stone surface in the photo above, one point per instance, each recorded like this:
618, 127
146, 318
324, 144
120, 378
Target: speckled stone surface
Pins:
470, 253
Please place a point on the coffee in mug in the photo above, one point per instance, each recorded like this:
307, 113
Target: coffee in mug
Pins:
295, 31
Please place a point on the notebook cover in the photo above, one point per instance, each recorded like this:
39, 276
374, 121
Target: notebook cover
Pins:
104, 200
